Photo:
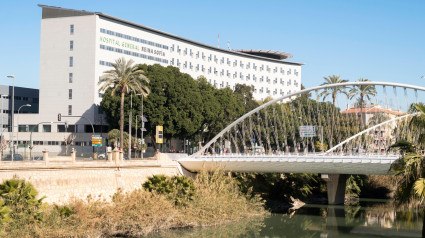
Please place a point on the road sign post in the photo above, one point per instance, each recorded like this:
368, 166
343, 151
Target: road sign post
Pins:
96, 140
159, 135
307, 131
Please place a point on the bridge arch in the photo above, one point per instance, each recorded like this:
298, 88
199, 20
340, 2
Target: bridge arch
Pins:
304, 92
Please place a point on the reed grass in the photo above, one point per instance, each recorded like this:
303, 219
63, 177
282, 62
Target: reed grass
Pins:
217, 200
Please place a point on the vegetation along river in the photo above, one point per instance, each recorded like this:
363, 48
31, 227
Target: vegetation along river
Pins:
369, 218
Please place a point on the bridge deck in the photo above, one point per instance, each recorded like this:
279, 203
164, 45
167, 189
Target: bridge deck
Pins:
293, 164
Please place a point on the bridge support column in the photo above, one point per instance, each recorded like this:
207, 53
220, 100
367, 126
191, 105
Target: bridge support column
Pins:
336, 187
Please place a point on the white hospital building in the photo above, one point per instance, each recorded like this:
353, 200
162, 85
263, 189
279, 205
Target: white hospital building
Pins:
77, 46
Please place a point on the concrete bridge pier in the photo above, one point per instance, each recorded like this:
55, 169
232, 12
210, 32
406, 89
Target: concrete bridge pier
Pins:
336, 187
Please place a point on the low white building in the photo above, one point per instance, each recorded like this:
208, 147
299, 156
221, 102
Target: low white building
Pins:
76, 47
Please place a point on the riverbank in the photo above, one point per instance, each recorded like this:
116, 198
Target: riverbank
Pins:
217, 200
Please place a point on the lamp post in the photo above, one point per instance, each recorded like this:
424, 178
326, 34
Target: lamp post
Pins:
129, 126
17, 122
143, 124
13, 111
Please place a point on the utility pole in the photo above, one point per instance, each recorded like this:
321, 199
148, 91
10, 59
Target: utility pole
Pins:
129, 126
143, 127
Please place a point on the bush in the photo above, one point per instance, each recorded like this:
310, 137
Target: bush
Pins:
20, 196
159, 184
178, 188
64, 211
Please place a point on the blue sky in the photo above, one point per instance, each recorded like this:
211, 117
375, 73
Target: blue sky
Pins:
382, 40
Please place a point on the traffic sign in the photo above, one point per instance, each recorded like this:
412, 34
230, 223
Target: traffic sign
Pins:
307, 131
159, 134
96, 140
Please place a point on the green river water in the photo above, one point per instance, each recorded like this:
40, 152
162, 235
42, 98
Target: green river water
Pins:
368, 219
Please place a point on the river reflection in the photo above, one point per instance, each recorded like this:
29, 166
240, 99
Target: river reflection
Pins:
369, 219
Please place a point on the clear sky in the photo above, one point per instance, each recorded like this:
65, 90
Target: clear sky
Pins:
382, 40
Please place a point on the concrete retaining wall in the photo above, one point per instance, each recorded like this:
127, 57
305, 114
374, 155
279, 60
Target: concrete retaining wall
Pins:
61, 181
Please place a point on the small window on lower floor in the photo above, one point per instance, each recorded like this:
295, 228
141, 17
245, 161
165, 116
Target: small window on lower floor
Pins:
69, 110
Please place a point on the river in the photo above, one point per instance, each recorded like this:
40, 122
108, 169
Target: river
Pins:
371, 218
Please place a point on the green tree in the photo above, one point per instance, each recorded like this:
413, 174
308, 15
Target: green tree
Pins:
211, 110
245, 94
409, 168
175, 102
333, 92
125, 77
362, 92
418, 122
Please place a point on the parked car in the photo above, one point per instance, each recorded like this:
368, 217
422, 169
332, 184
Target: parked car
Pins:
101, 156
16, 157
37, 158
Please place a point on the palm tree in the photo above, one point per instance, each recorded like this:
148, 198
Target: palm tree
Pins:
125, 77
333, 79
410, 172
363, 91
410, 167
417, 123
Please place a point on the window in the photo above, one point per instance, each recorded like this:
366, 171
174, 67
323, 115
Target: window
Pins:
70, 93
70, 77
69, 110
71, 61
71, 45
33, 128
47, 128
68, 128
23, 128
71, 29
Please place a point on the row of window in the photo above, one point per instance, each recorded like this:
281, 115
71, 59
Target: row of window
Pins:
46, 128
132, 38
20, 98
105, 63
62, 128
76, 143
235, 63
248, 77
132, 53
261, 90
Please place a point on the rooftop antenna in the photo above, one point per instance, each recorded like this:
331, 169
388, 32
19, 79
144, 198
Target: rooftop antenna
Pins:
228, 44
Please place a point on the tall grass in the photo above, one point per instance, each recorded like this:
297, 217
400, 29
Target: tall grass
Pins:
217, 200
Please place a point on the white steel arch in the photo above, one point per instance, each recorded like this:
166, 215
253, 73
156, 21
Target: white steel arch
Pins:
369, 129
230, 126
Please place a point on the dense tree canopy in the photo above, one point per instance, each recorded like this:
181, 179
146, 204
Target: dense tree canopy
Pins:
185, 107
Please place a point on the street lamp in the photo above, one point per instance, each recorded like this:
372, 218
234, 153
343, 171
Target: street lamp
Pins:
143, 123
143, 119
17, 122
13, 110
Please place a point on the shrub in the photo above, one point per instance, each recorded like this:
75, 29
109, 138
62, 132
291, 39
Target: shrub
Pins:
159, 184
64, 211
184, 189
178, 188
20, 196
